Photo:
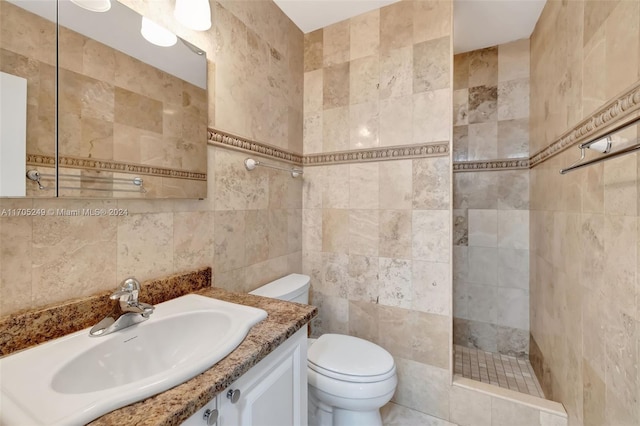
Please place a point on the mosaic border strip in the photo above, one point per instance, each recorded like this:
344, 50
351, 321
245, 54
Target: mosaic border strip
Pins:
435, 149
113, 166
491, 165
619, 111
227, 140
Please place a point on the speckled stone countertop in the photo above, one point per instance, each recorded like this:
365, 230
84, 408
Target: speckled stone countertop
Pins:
175, 405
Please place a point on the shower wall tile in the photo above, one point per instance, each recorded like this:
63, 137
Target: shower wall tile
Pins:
385, 275
335, 43
365, 34
483, 67
364, 77
483, 104
396, 73
483, 228
431, 65
482, 142
396, 26
513, 60
313, 55
363, 125
335, 80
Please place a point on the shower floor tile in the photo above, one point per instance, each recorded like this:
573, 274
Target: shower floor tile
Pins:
500, 370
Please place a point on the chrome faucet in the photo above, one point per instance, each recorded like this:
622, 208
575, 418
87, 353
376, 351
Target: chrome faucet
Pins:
126, 312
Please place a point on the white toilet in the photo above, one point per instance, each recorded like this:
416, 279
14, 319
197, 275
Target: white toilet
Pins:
350, 379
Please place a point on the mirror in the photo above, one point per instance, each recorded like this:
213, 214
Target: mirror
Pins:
131, 115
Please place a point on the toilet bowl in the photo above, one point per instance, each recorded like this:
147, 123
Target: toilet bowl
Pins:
349, 378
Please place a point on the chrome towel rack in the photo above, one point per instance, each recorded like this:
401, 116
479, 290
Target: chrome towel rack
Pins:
36, 176
251, 164
602, 144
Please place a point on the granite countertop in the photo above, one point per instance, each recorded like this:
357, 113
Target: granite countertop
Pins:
175, 405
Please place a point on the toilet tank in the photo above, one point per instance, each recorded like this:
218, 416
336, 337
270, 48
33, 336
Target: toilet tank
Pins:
292, 288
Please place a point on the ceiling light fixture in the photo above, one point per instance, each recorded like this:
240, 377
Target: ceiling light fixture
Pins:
93, 5
193, 14
156, 34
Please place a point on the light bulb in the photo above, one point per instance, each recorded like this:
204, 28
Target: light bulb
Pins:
156, 34
193, 14
93, 5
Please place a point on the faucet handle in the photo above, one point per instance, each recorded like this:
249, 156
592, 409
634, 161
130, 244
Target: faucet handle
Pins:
129, 288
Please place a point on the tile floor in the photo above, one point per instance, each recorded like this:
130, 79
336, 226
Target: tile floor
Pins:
500, 370
397, 415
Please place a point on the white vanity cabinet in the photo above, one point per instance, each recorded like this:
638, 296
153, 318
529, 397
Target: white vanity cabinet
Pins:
272, 393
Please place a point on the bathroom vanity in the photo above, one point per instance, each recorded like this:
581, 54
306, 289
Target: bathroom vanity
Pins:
273, 392
263, 380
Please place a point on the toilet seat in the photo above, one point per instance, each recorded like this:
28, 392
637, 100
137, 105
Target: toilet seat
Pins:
350, 359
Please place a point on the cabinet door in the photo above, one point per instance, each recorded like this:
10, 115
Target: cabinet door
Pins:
273, 393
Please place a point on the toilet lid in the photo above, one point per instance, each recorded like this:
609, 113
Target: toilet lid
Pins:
350, 358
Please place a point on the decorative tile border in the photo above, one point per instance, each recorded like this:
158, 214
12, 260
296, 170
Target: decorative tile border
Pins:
113, 166
491, 165
227, 140
616, 113
436, 149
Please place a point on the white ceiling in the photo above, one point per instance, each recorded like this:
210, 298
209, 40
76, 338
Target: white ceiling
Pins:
477, 23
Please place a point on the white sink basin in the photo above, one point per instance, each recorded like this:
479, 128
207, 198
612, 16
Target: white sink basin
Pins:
77, 378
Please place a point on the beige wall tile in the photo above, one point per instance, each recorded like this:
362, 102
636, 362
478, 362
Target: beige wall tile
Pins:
313, 50
364, 75
438, 16
335, 43
461, 71
460, 107
335, 275
313, 92
335, 129
395, 233
256, 236
335, 230
483, 67
395, 282
312, 226
313, 133
396, 121
336, 86
431, 341
193, 240
363, 320
431, 64
363, 125
483, 104
431, 284
423, 387
335, 187
469, 408
363, 286
513, 229
363, 185
229, 237
363, 232
431, 184
513, 99
513, 60
393, 333
431, 235
483, 228
396, 26
507, 413
365, 34
483, 265
396, 73
432, 116
135, 235
396, 183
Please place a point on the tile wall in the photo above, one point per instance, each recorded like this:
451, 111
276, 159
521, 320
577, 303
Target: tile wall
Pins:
376, 237
491, 208
584, 225
249, 228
